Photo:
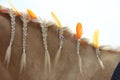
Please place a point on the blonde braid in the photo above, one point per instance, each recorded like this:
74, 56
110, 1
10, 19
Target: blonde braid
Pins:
8, 51
47, 55
79, 57
61, 37
25, 29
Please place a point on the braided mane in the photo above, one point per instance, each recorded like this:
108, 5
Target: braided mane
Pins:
67, 31
52, 57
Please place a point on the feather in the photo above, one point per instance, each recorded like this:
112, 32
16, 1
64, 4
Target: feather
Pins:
31, 13
79, 31
56, 19
96, 38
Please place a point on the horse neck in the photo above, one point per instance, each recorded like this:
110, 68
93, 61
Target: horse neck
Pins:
5, 33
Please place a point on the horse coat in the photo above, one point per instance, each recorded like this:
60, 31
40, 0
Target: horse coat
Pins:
37, 52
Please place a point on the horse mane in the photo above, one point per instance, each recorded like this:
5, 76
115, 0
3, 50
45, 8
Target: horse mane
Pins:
61, 33
67, 32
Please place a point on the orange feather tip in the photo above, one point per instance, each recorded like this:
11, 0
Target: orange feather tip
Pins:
96, 38
31, 13
56, 19
79, 30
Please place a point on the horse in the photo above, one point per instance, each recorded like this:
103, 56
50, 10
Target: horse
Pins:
49, 56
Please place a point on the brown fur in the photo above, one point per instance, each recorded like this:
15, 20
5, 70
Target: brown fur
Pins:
67, 67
